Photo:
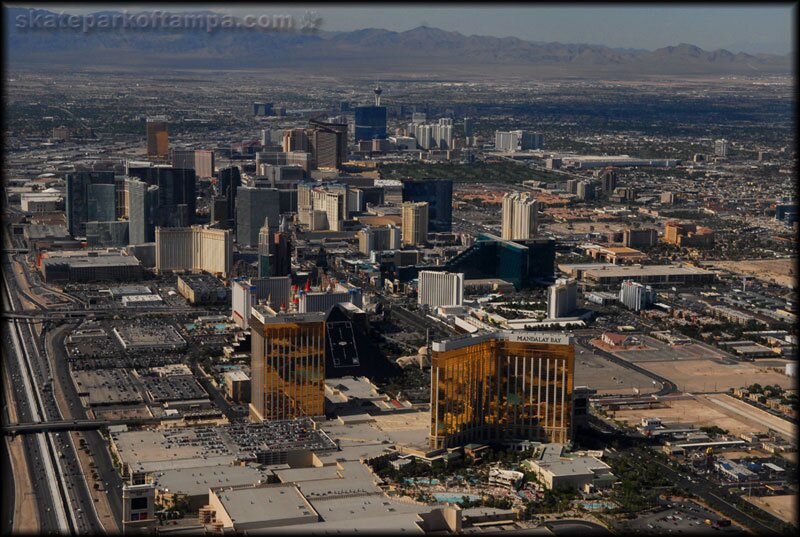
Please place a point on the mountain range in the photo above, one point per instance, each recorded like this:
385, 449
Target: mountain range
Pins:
420, 49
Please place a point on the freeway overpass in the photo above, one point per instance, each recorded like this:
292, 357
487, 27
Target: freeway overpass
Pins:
14, 429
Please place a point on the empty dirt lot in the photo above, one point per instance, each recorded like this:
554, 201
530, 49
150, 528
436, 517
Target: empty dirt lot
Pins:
701, 376
779, 271
699, 413
783, 507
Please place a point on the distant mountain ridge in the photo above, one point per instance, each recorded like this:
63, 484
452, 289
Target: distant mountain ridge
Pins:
419, 48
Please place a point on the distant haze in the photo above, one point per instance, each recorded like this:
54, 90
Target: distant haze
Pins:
738, 28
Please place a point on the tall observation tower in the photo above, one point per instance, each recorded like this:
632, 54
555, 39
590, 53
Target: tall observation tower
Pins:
378, 90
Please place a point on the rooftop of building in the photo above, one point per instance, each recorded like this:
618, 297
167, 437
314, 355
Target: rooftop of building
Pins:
645, 270
264, 503
197, 480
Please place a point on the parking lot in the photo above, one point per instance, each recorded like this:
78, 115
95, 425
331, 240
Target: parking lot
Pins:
684, 517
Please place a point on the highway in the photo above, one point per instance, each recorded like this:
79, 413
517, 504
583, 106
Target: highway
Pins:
63, 498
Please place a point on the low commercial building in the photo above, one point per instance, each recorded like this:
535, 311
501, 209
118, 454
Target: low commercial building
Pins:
90, 266
557, 470
649, 274
237, 386
188, 487
258, 507
202, 289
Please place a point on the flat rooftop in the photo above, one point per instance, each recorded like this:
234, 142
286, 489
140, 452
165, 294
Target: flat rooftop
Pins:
196, 481
266, 504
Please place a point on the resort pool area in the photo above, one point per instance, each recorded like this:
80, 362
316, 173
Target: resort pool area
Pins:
597, 506
423, 480
454, 497
189, 326
221, 326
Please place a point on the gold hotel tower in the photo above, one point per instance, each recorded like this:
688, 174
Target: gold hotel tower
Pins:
498, 386
287, 365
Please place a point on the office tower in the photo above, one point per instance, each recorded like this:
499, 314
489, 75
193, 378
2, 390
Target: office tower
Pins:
142, 204
572, 186
497, 386
219, 213
608, 181
253, 205
721, 148
639, 238
228, 181
195, 248
636, 296
262, 109
283, 254
177, 191
415, 223
440, 288
265, 245
520, 216
121, 204
370, 123
517, 140
438, 194
562, 298
102, 202
295, 140
77, 198
329, 142
266, 138
585, 190
287, 365
553, 164
138, 509
371, 239
204, 163
157, 144
112, 234
468, 127
667, 198
355, 201
282, 249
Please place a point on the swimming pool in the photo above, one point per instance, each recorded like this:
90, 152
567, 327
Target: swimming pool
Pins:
189, 326
454, 497
597, 506
221, 326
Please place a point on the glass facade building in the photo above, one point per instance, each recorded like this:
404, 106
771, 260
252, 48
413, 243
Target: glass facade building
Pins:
370, 122
177, 193
78, 199
522, 263
438, 194
501, 386
287, 365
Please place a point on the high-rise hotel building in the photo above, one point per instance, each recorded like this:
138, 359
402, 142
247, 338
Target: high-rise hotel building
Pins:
195, 249
520, 216
287, 364
157, 137
500, 386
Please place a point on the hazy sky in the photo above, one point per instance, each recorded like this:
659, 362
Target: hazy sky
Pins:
736, 27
